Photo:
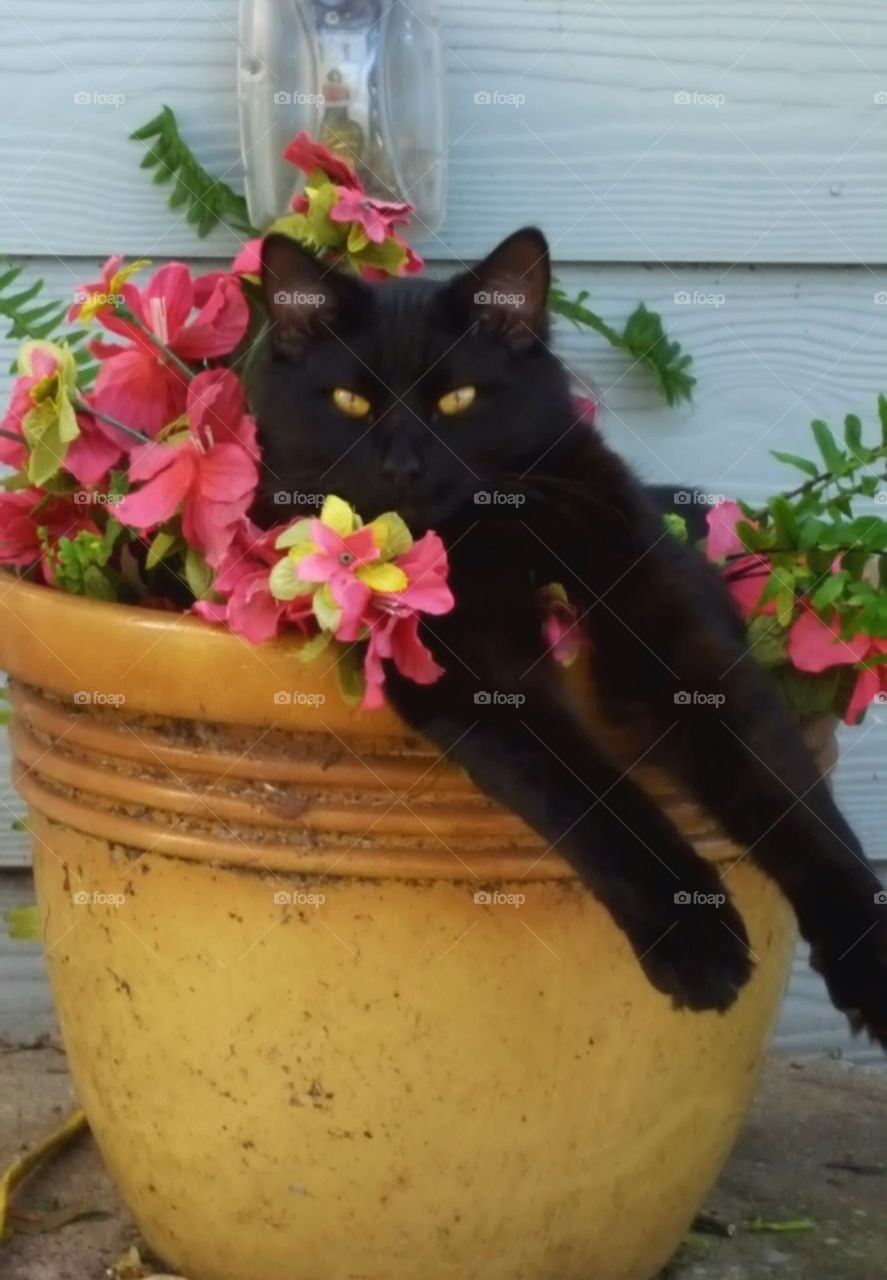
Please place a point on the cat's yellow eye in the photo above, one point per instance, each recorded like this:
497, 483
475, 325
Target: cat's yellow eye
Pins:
351, 403
456, 401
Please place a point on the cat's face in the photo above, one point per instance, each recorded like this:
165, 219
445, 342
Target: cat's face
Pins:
411, 396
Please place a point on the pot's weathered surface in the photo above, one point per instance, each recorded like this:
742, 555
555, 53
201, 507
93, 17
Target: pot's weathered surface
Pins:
329, 1011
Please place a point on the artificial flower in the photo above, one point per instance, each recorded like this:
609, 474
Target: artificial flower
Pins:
209, 473
745, 573
309, 156
814, 646
376, 218
44, 407
31, 522
91, 300
247, 605
140, 385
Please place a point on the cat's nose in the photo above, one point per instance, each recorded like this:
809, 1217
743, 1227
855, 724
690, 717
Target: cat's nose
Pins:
402, 462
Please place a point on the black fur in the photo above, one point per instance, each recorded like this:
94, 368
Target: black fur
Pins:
564, 508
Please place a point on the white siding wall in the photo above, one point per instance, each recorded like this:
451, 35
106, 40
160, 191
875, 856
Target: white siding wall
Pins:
772, 178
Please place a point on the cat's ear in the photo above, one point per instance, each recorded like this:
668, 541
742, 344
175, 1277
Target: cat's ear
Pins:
302, 294
508, 291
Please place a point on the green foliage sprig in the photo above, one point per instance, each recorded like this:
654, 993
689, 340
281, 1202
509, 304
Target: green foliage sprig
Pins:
30, 315
208, 200
643, 338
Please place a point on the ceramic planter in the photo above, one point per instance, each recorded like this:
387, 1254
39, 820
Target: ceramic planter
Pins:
331, 1013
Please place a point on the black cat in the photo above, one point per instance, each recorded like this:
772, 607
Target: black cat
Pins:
444, 402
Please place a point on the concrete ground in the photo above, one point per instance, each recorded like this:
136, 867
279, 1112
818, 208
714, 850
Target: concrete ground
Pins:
813, 1157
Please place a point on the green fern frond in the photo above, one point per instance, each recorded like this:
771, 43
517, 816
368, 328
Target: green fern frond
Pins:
643, 337
208, 200
46, 320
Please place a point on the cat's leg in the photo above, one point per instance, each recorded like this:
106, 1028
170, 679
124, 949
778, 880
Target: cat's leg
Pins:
733, 743
541, 761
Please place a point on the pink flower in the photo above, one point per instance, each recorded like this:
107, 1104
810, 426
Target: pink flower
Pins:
745, 573
377, 217
211, 475
586, 409
308, 156
561, 630
43, 364
410, 266
394, 619
336, 562
137, 384
23, 513
814, 646
249, 261
97, 449
249, 607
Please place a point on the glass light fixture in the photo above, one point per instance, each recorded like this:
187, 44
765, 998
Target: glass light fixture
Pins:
364, 77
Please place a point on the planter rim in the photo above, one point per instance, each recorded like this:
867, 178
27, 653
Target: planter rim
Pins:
169, 664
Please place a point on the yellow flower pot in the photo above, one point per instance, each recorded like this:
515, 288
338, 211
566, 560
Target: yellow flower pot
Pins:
330, 1012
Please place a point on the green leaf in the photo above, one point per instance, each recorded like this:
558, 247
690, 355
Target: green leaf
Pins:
164, 542
853, 434
832, 456
643, 338
767, 641
23, 924
882, 415
792, 460
830, 590
198, 574
784, 521
349, 673
676, 525
309, 650
209, 201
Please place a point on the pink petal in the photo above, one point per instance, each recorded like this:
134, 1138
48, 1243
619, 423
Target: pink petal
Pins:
813, 646
141, 391
162, 496
219, 326
226, 473
722, 537
249, 261
866, 689
171, 291
92, 455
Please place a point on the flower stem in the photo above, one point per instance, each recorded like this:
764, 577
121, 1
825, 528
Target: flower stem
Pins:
133, 319
10, 435
82, 407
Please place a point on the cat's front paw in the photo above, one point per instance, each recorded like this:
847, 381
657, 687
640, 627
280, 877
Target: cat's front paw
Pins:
849, 949
702, 957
